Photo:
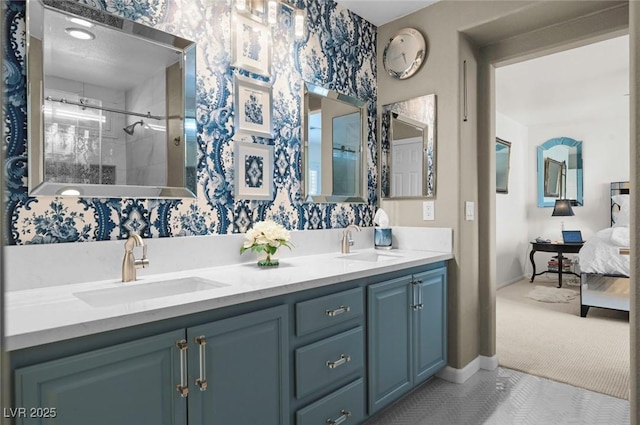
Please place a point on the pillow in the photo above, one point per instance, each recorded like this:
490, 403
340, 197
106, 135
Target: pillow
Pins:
620, 215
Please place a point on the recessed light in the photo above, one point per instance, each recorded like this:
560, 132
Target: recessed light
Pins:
80, 34
81, 22
68, 191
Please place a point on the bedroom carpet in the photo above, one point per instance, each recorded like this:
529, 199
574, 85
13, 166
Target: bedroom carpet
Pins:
551, 340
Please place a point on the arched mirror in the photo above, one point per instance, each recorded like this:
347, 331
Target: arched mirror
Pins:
560, 171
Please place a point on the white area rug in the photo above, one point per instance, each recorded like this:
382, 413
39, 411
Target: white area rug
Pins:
548, 294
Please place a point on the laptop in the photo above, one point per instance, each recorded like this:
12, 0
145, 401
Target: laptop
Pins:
572, 236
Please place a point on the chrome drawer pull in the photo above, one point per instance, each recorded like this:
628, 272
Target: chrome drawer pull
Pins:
342, 360
345, 415
182, 387
202, 381
342, 309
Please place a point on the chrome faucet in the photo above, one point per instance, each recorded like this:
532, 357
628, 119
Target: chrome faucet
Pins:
347, 242
129, 263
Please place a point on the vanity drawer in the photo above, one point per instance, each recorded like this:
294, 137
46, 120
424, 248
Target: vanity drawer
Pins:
345, 406
326, 361
329, 310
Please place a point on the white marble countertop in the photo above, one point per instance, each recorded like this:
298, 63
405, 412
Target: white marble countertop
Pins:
45, 315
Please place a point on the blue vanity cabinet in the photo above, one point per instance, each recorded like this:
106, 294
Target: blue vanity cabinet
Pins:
230, 371
130, 383
240, 367
329, 358
390, 341
430, 324
406, 334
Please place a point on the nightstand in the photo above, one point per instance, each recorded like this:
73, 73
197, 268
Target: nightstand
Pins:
559, 248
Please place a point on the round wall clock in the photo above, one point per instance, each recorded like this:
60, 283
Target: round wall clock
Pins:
405, 53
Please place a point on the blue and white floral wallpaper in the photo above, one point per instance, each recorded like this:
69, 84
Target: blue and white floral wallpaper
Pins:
338, 52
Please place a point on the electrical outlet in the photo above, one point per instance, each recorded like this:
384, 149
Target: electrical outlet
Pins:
469, 210
429, 210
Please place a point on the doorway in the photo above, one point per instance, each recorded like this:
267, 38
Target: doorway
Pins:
491, 58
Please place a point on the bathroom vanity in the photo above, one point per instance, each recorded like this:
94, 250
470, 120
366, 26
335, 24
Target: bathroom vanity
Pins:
325, 338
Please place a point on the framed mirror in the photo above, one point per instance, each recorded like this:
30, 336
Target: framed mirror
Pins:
111, 105
503, 154
334, 168
407, 148
560, 173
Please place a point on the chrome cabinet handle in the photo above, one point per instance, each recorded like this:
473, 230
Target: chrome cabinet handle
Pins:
342, 309
182, 388
202, 380
415, 285
342, 360
345, 415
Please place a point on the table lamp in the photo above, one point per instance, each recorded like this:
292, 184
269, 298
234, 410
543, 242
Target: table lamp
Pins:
562, 208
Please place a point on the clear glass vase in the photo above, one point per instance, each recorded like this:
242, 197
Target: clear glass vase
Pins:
268, 261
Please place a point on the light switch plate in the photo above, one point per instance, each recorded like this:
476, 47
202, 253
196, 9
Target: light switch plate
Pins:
469, 210
429, 210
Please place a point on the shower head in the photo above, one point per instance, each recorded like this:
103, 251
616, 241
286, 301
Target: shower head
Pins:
129, 129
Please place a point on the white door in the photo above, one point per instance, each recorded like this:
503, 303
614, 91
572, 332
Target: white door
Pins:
406, 168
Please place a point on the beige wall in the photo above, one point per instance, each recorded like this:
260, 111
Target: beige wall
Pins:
634, 87
456, 154
465, 163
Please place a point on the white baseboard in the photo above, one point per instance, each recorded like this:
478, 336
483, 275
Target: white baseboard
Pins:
459, 376
489, 363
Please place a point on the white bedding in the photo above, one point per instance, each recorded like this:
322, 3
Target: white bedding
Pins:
600, 254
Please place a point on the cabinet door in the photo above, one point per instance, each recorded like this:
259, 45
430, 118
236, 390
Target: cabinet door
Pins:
127, 384
430, 330
246, 367
389, 341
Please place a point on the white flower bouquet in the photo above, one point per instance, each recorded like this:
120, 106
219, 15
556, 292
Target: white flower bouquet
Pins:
266, 237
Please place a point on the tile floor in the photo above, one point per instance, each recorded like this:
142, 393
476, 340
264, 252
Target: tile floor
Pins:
503, 397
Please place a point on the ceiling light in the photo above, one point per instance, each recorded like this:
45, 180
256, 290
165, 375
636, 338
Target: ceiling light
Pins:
81, 22
80, 34
69, 191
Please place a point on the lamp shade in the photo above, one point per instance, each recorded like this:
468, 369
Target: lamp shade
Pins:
562, 208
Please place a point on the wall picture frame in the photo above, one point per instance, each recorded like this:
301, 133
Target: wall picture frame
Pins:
250, 45
253, 171
503, 155
254, 106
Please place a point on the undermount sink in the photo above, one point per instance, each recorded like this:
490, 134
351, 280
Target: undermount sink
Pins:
372, 257
133, 292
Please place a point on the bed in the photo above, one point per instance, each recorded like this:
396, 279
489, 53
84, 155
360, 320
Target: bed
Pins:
604, 259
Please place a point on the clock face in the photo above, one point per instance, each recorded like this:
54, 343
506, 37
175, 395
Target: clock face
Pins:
405, 53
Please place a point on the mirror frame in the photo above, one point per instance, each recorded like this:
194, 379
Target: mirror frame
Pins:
568, 142
503, 144
37, 186
358, 198
420, 112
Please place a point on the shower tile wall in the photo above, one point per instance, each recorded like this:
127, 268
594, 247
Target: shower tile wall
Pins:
338, 52
147, 147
